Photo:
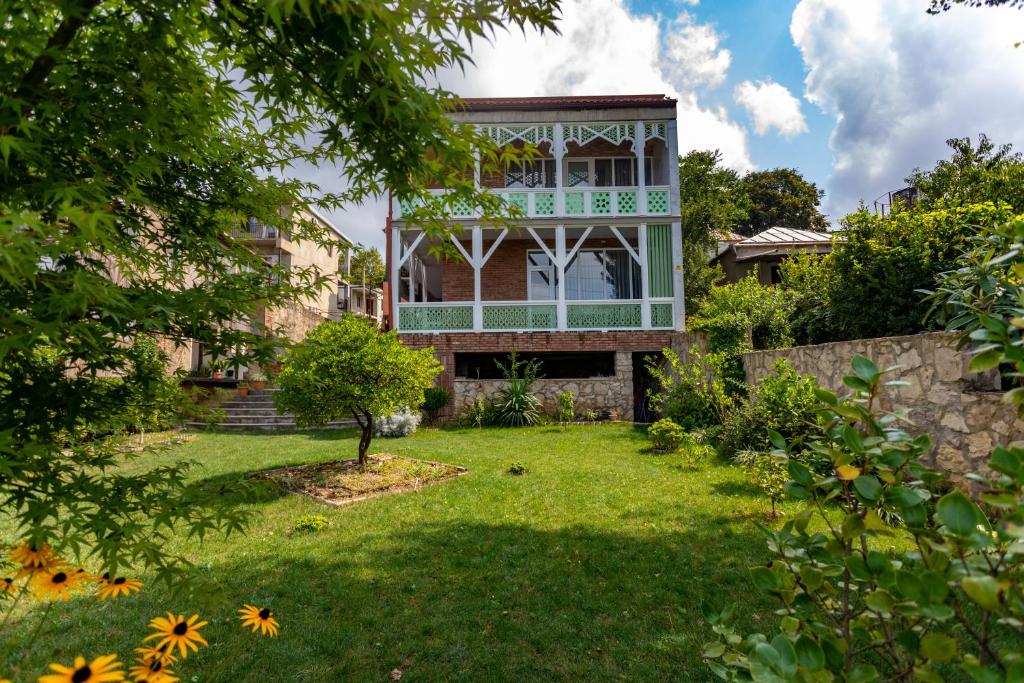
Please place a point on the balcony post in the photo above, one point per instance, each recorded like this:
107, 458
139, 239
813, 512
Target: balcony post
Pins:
559, 151
677, 276
396, 268
672, 142
478, 257
639, 144
645, 286
560, 270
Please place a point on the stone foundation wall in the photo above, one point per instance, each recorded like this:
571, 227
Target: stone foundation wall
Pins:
611, 397
293, 320
964, 414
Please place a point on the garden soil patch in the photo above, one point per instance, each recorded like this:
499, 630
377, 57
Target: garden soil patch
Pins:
340, 482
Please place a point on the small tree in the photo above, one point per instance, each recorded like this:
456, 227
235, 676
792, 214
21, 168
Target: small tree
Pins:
349, 368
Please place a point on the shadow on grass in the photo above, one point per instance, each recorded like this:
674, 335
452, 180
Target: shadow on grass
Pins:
460, 601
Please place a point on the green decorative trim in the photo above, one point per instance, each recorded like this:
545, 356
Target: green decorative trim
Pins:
603, 316
583, 133
536, 134
601, 203
573, 203
657, 201
520, 316
544, 203
461, 208
519, 200
661, 315
659, 260
626, 201
417, 318
654, 130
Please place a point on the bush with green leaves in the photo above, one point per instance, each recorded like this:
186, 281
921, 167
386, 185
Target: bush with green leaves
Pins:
808, 280
566, 407
851, 611
434, 399
309, 524
517, 406
517, 469
478, 413
690, 392
666, 436
767, 472
740, 317
783, 401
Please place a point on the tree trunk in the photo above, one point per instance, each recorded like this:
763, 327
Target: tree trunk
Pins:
364, 439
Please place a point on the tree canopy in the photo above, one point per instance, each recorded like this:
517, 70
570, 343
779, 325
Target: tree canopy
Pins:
134, 140
367, 264
781, 197
974, 173
349, 368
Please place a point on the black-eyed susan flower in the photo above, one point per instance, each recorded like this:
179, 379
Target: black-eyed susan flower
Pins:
119, 585
151, 670
56, 583
100, 670
33, 559
162, 653
7, 588
175, 631
259, 620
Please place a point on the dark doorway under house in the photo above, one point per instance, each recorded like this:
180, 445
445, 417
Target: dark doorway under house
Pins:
643, 383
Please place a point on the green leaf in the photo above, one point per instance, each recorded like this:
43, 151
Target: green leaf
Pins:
1007, 461
787, 655
868, 487
766, 580
800, 473
864, 368
938, 647
809, 653
864, 673
959, 514
983, 590
777, 439
985, 360
713, 650
880, 600
853, 526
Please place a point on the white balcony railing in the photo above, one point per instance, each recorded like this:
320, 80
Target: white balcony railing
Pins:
535, 316
583, 202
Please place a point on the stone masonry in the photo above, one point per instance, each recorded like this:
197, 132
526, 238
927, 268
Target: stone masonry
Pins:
964, 414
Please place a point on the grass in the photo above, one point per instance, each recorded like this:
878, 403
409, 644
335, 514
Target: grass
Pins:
591, 566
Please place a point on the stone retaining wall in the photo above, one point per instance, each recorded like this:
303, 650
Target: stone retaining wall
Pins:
964, 414
610, 396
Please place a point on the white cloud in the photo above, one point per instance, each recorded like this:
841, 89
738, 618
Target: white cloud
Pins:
693, 55
900, 82
771, 105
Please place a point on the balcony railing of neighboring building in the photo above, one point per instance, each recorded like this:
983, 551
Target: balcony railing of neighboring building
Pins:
255, 230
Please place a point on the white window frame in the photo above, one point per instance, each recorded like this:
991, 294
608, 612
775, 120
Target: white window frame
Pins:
550, 269
523, 186
530, 268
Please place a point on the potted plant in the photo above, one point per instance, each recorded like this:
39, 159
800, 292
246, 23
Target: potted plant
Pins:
217, 369
243, 389
258, 380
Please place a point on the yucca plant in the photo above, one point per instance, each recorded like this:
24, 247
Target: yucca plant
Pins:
517, 406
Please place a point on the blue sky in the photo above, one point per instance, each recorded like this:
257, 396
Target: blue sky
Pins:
853, 93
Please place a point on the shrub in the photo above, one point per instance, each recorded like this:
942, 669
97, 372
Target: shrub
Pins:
666, 436
309, 524
517, 469
767, 472
517, 406
783, 401
589, 415
692, 393
566, 407
434, 399
478, 413
808, 279
402, 423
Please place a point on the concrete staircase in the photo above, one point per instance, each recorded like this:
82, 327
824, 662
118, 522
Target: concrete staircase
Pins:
256, 413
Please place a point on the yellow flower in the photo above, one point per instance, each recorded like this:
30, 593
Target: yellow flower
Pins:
151, 670
7, 587
259, 619
100, 670
111, 588
28, 555
56, 583
160, 653
175, 631
847, 472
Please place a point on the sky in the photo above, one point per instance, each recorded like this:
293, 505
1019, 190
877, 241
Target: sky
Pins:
854, 94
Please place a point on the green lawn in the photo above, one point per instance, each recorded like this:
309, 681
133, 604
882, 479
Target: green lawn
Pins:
592, 566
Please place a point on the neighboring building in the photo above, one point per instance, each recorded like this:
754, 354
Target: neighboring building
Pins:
590, 283
766, 250
357, 297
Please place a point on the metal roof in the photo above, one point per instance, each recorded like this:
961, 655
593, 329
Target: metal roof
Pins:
471, 104
779, 235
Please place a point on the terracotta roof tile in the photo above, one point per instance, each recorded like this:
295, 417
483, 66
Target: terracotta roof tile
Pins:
572, 103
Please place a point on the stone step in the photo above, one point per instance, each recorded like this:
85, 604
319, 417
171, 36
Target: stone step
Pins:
267, 426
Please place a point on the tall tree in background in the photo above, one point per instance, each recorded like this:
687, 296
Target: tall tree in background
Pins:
366, 266
973, 174
781, 197
134, 138
712, 202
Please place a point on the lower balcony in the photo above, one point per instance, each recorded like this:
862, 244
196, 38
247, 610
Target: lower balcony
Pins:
532, 316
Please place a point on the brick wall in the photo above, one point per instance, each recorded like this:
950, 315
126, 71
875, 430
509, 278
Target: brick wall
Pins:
503, 278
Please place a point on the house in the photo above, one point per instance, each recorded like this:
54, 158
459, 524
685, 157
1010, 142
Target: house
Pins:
589, 283
356, 296
766, 250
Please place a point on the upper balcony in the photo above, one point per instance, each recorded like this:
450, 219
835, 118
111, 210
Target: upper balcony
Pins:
582, 170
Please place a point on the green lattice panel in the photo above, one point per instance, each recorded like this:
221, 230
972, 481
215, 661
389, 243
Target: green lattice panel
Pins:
461, 207
574, 203
601, 203
406, 206
657, 201
520, 317
544, 203
603, 316
661, 315
627, 201
654, 130
519, 200
435, 318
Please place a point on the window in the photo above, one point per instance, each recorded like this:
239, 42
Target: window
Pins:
578, 175
610, 172
535, 173
554, 365
541, 284
593, 274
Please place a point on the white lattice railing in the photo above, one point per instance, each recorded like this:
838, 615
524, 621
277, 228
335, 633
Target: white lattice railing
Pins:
576, 201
